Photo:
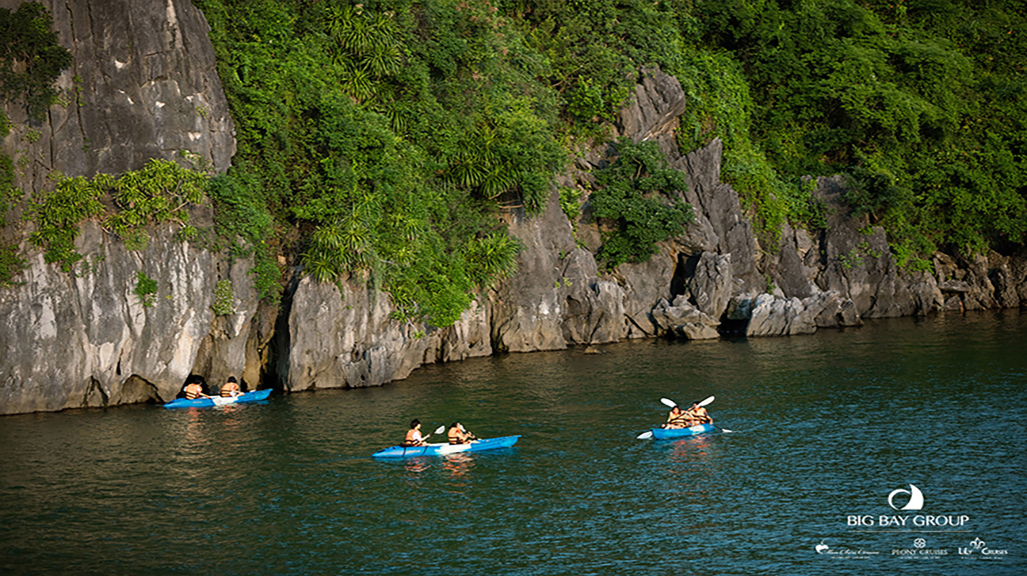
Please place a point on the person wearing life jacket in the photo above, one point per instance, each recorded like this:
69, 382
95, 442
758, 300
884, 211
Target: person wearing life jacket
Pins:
194, 390
413, 437
458, 435
677, 418
698, 414
230, 388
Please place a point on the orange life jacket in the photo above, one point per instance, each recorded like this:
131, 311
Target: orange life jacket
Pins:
680, 420
413, 438
701, 415
230, 389
455, 436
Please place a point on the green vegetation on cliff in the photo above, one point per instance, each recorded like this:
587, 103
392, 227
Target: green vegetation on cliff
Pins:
921, 102
389, 132
631, 195
380, 139
30, 58
388, 135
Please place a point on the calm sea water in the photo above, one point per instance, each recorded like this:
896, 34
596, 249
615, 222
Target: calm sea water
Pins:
824, 429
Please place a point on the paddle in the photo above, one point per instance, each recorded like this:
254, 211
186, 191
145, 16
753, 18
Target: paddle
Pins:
672, 404
464, 430
438, 430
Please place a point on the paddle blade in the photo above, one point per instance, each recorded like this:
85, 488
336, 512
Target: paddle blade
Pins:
645, 435
726, 431
440, 429
707, 401
668, 402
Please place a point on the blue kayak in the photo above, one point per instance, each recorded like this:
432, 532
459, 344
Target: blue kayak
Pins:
669, 433
213, 401
443, 449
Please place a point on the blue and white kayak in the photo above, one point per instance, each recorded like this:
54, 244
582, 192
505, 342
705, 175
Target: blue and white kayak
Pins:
443, 449
255, 396
670, 433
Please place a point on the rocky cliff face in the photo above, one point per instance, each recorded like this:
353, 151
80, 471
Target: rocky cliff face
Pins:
714, 275
350, 339
144, 86
89, 340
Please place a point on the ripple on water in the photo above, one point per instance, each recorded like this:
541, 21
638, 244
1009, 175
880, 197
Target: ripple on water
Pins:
824, 426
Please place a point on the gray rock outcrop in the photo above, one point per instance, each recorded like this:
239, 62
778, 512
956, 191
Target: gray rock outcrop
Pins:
88, 339
684, 320
143, 84
772, 316
352, 339
855, 261
711, 284
654, 110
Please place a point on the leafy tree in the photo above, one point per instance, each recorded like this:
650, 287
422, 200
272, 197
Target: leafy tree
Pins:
30, 57
640, 197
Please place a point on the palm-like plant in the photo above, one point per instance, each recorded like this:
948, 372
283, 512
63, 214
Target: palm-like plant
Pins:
365, 49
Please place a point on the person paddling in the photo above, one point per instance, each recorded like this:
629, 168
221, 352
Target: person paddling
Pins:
413, 437
677, 418
458, 435
230, 388
698, 414
194, 390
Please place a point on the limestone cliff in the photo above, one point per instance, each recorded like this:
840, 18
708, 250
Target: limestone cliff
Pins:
143, 85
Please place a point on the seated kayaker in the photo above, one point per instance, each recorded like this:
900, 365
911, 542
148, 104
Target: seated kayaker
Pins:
698, 415
230, 388
677, 418
194, 390
413, 437
458, 435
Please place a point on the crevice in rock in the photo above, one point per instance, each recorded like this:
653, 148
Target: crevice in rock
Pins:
276, 376
95, 395
683, 272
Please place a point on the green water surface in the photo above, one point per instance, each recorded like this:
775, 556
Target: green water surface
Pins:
824, 428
